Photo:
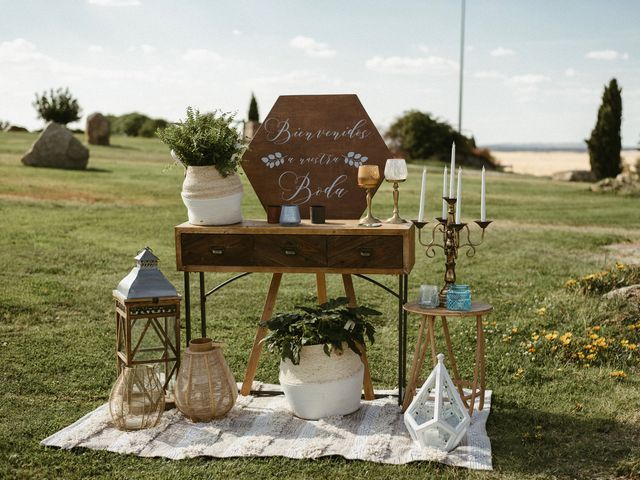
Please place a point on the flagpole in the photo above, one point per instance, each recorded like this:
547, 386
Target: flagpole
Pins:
461, 67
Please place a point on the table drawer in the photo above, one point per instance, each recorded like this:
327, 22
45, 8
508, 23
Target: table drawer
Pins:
361, 251
290, 250
223, 250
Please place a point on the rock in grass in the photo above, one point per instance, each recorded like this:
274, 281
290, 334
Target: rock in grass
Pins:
574, 176
56, 147
632, 292
98, 129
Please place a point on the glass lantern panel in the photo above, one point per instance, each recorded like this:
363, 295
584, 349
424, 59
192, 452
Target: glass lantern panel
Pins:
435, 436
156, 341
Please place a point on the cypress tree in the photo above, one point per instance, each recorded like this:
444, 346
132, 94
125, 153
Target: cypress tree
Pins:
605, 143
253, 116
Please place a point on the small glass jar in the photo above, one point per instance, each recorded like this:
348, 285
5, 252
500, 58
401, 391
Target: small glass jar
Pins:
428, 297
290, 215
459, 298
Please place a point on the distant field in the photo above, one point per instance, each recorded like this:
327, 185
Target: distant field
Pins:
547, 163
68, 237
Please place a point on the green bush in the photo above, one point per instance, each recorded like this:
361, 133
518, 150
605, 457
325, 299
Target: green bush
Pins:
205, 139
605, 143
57, 106
150, 126
417, 135
135, 124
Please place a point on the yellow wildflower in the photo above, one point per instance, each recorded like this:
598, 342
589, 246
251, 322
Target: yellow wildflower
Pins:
532, 349
596, 328
570, 283
632, 346
593, 336
592, 356
541, 311
514, 330
518, 373
618, 374
551, 336
620, 266
535, 337
506, 338
586, 365
566, 338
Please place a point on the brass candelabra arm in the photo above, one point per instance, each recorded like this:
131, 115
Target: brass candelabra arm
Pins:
429, 247
470, 245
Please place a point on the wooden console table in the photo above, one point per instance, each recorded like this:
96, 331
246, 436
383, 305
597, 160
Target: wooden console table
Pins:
339, 246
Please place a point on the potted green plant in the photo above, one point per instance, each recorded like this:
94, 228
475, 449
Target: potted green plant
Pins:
321, 371
210, 148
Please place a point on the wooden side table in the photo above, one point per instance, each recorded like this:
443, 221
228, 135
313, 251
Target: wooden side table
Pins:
477, 385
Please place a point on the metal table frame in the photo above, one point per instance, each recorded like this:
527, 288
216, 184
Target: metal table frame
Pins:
401, 295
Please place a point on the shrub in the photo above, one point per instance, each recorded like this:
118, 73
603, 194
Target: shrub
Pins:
606, 280
205, 139
605, 143
58, 106
253, 115
417, 135
150, 126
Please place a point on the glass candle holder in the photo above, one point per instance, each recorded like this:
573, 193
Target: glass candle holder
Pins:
290, 215
428, 296
459, 298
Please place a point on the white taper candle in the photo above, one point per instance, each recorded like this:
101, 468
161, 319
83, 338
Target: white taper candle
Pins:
423, 192
444, 193
459, 196
483, 207
452, 170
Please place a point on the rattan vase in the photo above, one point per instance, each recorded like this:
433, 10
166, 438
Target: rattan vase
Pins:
205, 388
137, 398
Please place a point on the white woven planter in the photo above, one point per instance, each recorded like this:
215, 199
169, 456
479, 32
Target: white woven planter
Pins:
210, 198
322, 386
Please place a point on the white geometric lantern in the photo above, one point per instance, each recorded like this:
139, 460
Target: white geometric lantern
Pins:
437, 417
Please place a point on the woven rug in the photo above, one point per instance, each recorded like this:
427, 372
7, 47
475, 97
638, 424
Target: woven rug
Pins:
263, 426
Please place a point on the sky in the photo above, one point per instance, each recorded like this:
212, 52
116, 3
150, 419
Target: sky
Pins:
534, 71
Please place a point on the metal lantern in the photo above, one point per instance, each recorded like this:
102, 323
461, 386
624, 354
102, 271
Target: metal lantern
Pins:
437, 417
148, 321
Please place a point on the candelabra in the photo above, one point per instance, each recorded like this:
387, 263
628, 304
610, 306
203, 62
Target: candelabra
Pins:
450, 243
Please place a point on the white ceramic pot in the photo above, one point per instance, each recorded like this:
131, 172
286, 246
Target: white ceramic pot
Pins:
322, 386
210, 198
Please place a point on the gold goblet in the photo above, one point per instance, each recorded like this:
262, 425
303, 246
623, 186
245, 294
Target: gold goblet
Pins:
368, 178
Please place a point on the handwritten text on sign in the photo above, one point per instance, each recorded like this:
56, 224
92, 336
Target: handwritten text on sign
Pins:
307, 156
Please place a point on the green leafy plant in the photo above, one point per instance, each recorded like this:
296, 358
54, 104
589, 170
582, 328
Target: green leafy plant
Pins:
205, 139
330, 324
57, 106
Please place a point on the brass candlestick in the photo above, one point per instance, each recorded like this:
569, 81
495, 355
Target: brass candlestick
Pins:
450, 243
368, 178
395, 218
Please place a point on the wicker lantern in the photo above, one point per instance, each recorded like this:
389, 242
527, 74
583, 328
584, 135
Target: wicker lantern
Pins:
137, 398
205, 388
148, 321
437, 417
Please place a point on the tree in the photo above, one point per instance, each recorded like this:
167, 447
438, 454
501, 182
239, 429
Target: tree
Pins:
253, 115
419, 136
59, 106
605, 143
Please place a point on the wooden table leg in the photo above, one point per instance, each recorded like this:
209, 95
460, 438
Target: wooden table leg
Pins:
476, 368
254, 357
367, 384
432, 337
481, 347
452, 358
321, 282
416, 366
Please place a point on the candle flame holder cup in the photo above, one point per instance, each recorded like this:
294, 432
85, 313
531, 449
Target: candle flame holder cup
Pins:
368, 178
453, 239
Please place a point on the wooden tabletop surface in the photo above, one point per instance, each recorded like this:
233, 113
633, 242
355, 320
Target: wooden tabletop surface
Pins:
477, 308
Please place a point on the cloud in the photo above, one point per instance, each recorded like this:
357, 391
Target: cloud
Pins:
501, 52
200, 55
569, 72
236, 32
312, 47
95, 49
606, 55
528, 79
488, 74
115, 3
410, 65
297, 77
19, 51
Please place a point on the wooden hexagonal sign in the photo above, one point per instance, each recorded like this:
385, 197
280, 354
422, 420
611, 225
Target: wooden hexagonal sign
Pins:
308, 150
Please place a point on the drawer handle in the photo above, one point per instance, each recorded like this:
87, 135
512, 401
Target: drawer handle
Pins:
217, 250
290, 252
365, 252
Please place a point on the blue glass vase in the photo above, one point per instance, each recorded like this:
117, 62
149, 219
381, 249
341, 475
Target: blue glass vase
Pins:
459, 298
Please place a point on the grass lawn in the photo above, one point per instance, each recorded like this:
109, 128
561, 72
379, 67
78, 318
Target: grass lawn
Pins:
68, 237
